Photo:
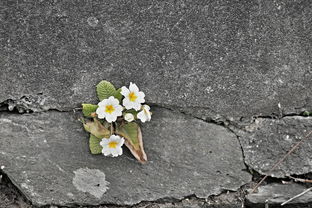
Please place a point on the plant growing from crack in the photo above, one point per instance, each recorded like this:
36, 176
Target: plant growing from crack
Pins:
112, 122
307, 113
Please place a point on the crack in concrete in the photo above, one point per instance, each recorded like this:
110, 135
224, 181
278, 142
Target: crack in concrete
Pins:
231, 126
35, 104
227, 124
162, 200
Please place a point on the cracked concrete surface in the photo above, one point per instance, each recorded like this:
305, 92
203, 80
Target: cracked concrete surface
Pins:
266, 141
41, 152
278, 193
214, 71
11, 198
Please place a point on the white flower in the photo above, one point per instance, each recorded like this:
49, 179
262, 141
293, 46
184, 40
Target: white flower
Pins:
145, 114
109, 109
129, 117
133, 97
112, 145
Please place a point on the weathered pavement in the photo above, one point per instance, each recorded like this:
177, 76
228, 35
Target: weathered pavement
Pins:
47, 157
267, 140
228, 82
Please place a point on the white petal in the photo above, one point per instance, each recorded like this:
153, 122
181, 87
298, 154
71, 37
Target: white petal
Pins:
141, 116
136, 106
125, 91
118, 110
140, 100
100, 112
127, 103
102, 103
114, 137
146, 107
106, 151
117, 151
122, 141
149, 117
114, 155
118, 107
141, 96
105, 148
133, 87
104, 142
110, 118
113, 100
120, 151
114, 152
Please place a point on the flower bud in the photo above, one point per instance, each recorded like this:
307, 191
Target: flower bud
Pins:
129, 117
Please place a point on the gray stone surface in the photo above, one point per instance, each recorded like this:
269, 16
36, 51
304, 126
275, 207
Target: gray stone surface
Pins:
267, 140
279, 193
225, 60
46, 154
216, 58
225, 200
10, 198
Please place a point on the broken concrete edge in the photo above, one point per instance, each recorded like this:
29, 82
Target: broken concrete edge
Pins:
28, 104
226, 124
226, 197
266, 144
280, 193
9, 183
235, 128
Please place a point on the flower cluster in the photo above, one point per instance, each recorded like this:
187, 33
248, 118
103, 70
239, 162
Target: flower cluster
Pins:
110, 108
114, 120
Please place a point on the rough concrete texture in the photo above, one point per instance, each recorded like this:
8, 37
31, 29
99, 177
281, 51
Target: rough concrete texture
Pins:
274, 193
46, 156
223, 58
11, 198
227, 61
267, 140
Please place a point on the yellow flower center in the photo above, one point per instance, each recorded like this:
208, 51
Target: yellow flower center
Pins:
109, 109
112, 145
132, 96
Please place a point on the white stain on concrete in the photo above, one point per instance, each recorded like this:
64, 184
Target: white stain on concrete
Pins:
91, 181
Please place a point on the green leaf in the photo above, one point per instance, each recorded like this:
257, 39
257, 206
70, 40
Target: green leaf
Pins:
94, 145
97, 129
130, 131
87, 109
133, 139
118, 95
105, 89
132, 111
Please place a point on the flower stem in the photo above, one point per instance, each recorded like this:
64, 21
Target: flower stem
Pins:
111, 129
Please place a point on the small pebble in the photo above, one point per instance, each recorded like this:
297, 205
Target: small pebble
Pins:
93, 21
